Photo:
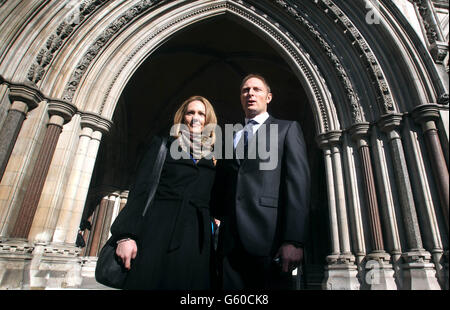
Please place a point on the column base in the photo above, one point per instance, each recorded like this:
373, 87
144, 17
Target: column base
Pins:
39, 266
418, 271
379, 273
15, 261
438, 259
446, 269
341, 273
56, 266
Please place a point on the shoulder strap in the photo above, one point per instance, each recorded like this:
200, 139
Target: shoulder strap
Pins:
156, 174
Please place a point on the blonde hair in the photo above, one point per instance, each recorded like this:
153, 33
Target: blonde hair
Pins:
210, 115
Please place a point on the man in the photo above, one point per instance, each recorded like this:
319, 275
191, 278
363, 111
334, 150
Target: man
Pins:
263, 212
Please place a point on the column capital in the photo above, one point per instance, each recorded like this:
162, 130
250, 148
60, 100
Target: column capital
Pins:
329, 138
21, 92
95, 121
115, 194
438, 51
359, 130
61, 108
425, 112
389, 122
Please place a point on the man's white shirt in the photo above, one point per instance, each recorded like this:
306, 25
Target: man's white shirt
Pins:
260, 119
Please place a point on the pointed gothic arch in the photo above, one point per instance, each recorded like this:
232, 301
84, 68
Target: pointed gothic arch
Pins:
368, 117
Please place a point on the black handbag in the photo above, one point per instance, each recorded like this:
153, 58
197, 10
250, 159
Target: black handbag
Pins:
110, 270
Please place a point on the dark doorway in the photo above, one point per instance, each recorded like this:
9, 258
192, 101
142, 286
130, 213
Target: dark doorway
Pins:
208, 58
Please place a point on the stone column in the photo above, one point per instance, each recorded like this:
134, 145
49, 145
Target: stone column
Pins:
418, 271
353, 189
72, 186
23, 99
80, 176
4, 101
123, 200
60, 113
426, 115
344, 235
386, 202
341, 271
99, 126
428, 209
106, 225
98, 227
335, 248
117, 207
379, 273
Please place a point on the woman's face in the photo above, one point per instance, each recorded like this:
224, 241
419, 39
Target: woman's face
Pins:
195, 116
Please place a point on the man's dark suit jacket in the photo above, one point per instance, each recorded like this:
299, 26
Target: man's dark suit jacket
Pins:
264, 208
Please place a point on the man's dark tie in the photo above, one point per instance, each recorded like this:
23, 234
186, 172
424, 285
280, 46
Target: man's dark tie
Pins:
248, 129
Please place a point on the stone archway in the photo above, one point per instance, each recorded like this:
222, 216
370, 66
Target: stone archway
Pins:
209, 58
366, 114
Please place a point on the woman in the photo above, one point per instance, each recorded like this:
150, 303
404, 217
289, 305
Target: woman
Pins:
170, 247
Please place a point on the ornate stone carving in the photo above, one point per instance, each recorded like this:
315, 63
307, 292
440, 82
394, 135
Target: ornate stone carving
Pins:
352, 96
107, 34
425, 13
233, 7
56, 39
289, 47
438, 49
385, 99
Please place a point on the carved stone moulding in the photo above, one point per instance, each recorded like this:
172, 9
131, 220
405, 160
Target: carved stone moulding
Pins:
114, 28
385, 99
360, 130
25, 93
425, 112
389, 122
62, 108
16, 246
353, 98
54, 42
329, 138
438, 51
96, 122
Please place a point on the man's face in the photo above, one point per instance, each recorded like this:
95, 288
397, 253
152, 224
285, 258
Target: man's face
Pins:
254, 97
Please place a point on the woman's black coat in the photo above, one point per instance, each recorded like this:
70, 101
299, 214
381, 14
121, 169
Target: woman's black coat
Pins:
174, 237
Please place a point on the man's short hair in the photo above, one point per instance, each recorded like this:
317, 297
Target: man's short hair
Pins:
258, 76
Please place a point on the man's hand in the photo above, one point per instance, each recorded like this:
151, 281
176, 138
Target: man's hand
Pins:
290, 257
127, 251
